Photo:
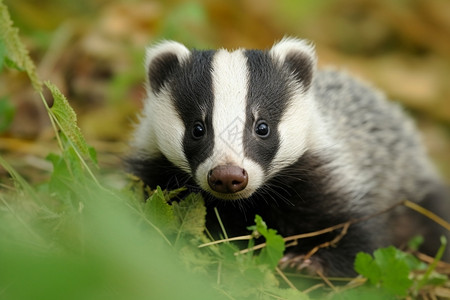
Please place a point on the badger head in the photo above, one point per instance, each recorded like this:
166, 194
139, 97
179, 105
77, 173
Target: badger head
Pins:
229, 120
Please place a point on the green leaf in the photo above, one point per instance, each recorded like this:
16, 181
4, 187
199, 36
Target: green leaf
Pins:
67, 175
395, 279
61, 178
394, 269
389, 268
159, 211
15, 52
272, 253
190, 213
174, 193
385, 257
259, 226
67, 121
367, 267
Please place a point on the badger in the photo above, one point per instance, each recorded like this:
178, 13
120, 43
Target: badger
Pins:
265, 132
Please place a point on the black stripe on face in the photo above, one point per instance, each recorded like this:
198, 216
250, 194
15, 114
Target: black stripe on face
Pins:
267, 98
192, 92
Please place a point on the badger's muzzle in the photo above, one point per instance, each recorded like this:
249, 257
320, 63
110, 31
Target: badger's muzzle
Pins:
227, 179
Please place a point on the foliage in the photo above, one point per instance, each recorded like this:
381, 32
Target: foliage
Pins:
391, 270
13, 52
387, 268
272, 253
62, 114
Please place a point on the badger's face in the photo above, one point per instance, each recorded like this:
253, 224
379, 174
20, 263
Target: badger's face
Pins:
231, 120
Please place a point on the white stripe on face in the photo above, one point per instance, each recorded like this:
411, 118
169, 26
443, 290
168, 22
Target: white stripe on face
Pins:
230, 81
230, 92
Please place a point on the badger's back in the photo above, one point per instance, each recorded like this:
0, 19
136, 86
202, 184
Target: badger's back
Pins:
376, 146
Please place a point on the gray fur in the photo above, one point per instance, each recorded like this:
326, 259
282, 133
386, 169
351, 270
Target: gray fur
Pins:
377, 147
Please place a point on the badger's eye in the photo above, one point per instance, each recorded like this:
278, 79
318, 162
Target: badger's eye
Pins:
262, 129
198, 130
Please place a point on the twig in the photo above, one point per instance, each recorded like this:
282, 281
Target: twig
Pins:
313, 288
220, 223
442, 292
316, 277
291, 285
328, 282
427, 213
237, 238
354, 283
291, 244
329, 243
442, 267
243, 251
341, 225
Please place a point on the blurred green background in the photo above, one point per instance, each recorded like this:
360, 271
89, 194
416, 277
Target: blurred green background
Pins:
93, 51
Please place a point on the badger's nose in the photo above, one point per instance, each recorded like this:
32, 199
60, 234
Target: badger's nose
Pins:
227, 179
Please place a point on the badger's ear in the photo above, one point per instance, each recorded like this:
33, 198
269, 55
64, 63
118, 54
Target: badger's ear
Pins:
162, 61
299, 57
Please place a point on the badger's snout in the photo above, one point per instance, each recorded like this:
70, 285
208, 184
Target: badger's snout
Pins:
227, 179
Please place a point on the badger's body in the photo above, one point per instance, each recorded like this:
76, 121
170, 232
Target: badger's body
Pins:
263, 132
